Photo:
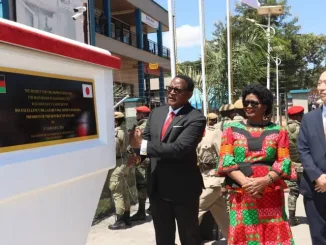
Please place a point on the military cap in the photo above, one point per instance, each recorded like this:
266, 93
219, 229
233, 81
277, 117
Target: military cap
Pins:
295, 110
238, 104
143, 109
118, 114
226, 108
212, 116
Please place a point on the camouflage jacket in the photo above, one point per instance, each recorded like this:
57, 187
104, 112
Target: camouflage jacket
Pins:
293, 129
209, 147
238, 118
140, 125
220, 125
120, 142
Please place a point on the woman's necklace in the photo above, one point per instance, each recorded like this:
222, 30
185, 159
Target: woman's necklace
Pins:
261, 124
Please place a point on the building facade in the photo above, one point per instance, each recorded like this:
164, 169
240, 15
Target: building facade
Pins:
123, 27
300, 98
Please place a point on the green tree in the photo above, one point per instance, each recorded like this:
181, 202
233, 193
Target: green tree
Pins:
248, 58
302, 55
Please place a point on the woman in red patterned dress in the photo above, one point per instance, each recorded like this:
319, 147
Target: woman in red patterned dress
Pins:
254, 156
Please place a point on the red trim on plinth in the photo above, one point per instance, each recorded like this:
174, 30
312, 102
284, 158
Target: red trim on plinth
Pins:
15, 34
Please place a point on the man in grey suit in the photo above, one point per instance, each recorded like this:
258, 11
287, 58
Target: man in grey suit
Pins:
312, 151
170, 140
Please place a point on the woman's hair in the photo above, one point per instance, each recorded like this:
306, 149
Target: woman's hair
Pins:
264, 95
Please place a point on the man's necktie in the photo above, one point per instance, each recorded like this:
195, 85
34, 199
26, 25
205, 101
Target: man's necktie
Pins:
167, 124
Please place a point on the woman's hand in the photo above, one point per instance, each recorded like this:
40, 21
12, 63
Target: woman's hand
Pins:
256, 186
255, 195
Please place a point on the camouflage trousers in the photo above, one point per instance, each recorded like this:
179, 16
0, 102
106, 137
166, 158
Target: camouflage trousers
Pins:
119, 187
226, 196
141, 179
294, 188
132, 185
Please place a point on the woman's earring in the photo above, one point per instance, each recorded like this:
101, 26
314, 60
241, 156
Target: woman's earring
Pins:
267, 117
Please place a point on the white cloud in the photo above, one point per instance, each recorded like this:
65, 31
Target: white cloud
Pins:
187, 36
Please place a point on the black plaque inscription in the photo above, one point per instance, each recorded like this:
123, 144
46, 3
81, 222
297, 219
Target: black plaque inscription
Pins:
42, 109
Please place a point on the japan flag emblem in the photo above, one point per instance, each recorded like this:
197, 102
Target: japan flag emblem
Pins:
87, 91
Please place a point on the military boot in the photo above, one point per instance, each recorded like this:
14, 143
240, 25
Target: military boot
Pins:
140, 215
119, 223
292, 219
126, 218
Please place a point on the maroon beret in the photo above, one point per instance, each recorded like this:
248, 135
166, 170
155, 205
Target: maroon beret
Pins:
295, 110
143, 109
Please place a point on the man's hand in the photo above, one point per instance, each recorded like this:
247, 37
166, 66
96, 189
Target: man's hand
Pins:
321, 184
135, 138
133, 160
256, 186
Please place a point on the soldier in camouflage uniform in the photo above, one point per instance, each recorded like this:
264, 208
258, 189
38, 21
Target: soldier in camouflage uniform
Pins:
295, 114
211, 198
240, 113
118, 176
227, 113
142, 113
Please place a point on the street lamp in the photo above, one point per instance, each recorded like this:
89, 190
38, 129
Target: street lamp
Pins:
277, 63
269, 11
267, 29
263, 27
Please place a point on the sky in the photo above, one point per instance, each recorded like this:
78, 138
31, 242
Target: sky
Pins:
311, 18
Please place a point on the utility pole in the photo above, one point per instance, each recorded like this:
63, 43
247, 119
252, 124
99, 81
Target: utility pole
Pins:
229, 47
202, 42
172, 38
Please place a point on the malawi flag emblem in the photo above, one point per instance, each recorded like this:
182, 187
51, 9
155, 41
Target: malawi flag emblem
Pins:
2, 84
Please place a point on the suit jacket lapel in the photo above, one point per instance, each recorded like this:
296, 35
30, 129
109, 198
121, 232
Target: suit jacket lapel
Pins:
181, 114
320, 127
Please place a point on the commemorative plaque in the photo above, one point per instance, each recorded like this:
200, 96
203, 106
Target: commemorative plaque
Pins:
38, 109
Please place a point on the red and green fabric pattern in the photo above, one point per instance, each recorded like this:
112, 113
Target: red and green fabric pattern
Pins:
2, 85
257, 221
275, 147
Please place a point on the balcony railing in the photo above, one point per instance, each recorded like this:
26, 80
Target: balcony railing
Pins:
166, 52
150, 46
119, 33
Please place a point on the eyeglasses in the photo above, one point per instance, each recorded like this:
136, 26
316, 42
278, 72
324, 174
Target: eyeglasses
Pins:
176, 90
253, 103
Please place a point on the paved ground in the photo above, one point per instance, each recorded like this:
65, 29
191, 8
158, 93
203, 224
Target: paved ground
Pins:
143, 233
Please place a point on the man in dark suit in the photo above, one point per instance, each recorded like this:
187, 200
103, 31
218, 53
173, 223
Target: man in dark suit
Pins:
312, 150
170, 139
